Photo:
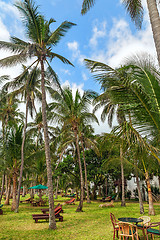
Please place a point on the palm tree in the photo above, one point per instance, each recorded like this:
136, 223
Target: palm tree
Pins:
41, 41
71, 112
135, 10
27, 85
136, 87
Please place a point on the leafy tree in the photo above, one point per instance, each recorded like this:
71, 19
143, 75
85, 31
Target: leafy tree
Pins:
41, 41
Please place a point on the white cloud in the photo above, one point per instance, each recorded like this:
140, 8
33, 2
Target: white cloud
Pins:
4, 33
66, 71
84, 76
99, 31
76, 53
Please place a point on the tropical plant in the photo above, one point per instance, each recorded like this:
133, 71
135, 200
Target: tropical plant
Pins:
72, 111
41, 41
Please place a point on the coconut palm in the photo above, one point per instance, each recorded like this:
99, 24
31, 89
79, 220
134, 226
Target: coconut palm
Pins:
41, 40
27, 85
71, 112
136, 87
135, 10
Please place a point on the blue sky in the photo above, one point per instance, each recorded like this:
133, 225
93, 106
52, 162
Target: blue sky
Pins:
105, 34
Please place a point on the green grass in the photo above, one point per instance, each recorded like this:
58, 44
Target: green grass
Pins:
93, 223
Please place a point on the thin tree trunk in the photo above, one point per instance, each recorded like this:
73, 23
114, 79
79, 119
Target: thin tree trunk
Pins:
14, 191
8, 192
106, 186
2, 188
139, 191
85, 170
80, 206
56, 192
159, 183
52, 222
155, 24
150, 200
123, 204
22, 157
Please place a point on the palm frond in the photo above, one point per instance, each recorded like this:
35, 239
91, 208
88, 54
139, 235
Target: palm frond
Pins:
86, 5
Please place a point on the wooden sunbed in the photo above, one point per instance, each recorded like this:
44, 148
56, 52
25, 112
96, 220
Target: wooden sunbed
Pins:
37, 217
26, 200
1, 211
71, 201
44, 210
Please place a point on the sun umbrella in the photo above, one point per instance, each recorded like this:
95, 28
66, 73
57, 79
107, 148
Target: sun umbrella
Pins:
40, 186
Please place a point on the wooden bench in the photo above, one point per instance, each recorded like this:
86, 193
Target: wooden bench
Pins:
37, 217
1, 211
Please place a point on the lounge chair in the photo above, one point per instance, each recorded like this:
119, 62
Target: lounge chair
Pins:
1, 211
44, 210
37, 217
71, 201
27, 200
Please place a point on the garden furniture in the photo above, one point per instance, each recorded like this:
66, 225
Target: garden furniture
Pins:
115, 225
152, 230
44, 210
27, 200
127, 229
71, 201
144, 224
1, 211
130, 220
37, 217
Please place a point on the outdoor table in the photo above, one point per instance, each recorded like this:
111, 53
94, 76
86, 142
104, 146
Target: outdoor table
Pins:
131, 220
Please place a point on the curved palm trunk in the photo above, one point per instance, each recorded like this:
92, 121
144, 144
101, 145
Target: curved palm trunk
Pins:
56, 192
80, 206
52, 222
139, 191
155, 24
85, 169
8, 192
14, 190
22, 157
123, 204
150, 200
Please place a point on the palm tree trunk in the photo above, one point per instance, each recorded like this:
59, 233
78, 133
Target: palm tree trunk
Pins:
150, 200
52, 222
85, 170
14, 190
80, 206
22, 157
139, 191
8, 192
2, 188
155, 24
123, 204
56, 192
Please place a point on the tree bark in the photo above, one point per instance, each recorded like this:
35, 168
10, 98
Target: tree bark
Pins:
14, 191
52, 222
22, 157
2, 188
80, 206
139, 191
56, 192
85, 169
155, 24
150, 200
8, 192
123, 204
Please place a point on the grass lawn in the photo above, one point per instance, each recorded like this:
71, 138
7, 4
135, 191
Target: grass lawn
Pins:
93, 223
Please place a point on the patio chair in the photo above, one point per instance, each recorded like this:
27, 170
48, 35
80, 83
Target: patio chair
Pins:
151, 230
142, 226
127, 230
71, 201
115, 225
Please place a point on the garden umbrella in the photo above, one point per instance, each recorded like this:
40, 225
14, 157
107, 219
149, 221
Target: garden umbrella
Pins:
39, 187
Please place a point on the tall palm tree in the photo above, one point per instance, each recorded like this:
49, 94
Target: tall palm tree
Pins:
135, 10
41, 40
27, 85
136, 87
71, 112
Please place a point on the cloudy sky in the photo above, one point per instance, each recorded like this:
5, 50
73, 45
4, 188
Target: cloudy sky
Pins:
104, 34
